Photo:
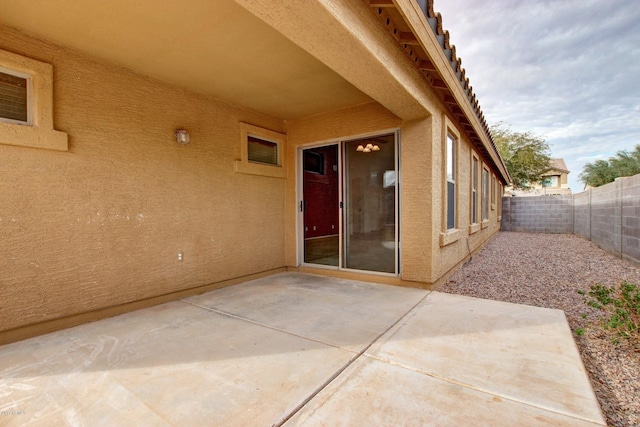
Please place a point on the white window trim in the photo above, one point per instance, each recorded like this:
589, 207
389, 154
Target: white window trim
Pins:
493, 192
486, 197
244, 166
474, 226
38, 132
451, 235
29, 80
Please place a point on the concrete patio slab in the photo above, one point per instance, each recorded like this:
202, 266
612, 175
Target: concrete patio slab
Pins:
346, 313
516, 352
295, 349
375, 393
173, 364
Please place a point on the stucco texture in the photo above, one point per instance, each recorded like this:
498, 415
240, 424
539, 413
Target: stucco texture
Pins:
102, 224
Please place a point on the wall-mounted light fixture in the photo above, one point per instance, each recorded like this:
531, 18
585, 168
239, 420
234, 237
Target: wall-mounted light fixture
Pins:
368, 148
182, 136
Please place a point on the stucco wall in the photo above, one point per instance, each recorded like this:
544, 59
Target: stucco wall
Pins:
468, 239
102, 224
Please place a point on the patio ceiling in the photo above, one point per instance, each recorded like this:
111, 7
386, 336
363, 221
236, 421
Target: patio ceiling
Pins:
214, 48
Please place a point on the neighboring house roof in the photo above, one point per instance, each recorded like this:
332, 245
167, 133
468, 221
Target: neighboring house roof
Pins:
559, 165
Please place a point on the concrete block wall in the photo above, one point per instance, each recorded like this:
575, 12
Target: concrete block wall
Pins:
608, 215
542, 214
582, 214
630, 226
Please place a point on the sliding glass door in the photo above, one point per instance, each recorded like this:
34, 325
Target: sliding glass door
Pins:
370, 204
349, 205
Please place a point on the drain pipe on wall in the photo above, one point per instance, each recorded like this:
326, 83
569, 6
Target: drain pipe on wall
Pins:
470, 257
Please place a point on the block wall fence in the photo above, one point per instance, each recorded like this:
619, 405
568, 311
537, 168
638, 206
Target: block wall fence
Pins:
609, 216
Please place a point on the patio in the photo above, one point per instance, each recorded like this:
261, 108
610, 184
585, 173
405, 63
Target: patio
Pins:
294, 349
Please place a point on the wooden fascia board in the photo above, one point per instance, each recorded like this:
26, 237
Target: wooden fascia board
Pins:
414, 17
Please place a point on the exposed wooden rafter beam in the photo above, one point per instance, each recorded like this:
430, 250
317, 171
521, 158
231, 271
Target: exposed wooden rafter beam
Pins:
426, 65
408, 38
439, 84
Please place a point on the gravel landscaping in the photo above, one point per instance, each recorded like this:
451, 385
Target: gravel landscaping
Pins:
547, 270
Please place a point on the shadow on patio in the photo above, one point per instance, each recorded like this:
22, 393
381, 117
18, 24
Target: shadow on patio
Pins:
307, 350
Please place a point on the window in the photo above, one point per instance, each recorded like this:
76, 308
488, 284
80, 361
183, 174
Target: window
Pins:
493, 192
551, 181
314, 162
451, 182
450, 143
262, 152
474, 190
14, 90
26, 104
500, 192
485, 194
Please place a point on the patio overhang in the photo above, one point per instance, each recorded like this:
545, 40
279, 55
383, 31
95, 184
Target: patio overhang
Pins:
286, 61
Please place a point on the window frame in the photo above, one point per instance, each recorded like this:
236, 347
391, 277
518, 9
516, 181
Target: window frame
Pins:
450, 235
451, 172
493, 192
38, 131
474, 224
249, 167
29, 81
485, 196
500, 190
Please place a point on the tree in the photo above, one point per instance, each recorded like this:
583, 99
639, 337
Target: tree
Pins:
525, 155
602, 172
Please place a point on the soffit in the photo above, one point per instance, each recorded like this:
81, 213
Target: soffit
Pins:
215, 48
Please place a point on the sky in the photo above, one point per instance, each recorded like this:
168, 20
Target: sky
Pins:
566, 70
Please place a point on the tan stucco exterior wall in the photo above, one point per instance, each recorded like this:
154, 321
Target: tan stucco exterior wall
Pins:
102, 224
445, 258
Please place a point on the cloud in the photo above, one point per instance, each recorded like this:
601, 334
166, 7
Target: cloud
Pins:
566, 70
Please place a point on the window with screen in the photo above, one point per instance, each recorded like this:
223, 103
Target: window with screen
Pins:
451, 182
262, 151
14, 92
485, 194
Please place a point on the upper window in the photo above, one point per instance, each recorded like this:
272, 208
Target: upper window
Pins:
26, 104
451, 182
551, 181
14, 93
262, 152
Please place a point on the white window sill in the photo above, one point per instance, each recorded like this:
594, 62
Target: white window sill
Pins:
249, 168
450, 236
484, 224
33, 137
474, 228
